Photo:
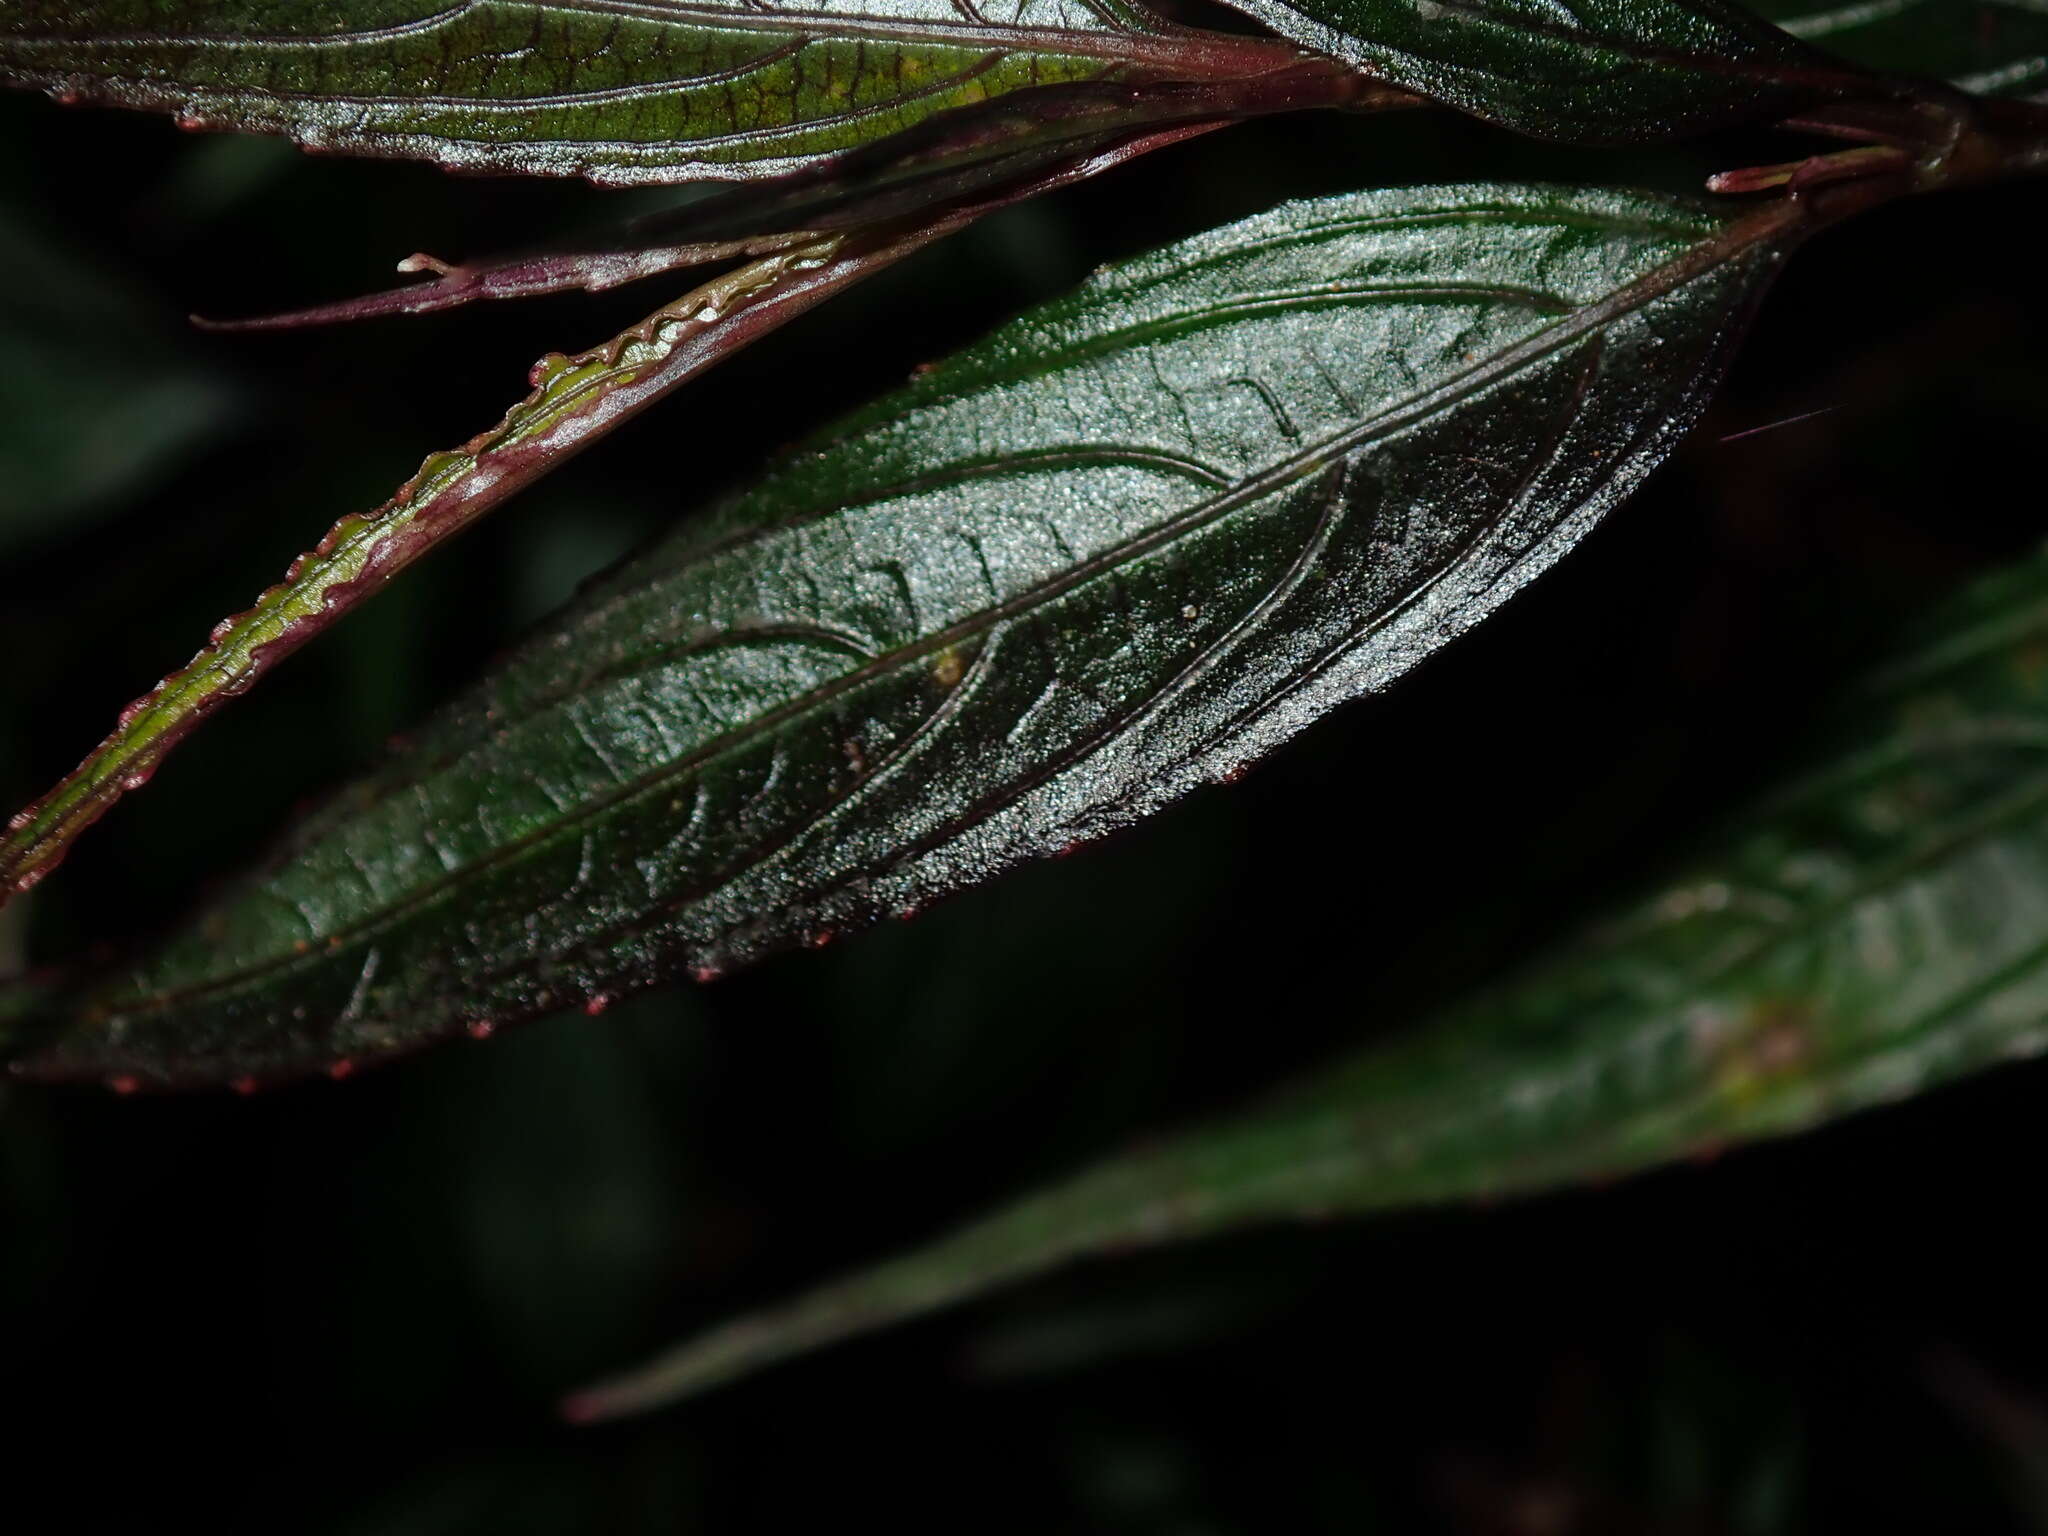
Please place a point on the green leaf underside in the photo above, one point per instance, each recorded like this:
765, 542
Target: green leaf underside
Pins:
1592, 70
1990, 47
1876, 929
620, 90
1131, 541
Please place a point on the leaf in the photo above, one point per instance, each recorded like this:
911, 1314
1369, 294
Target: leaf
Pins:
1876, 928
974, 152
1989, 47
575, 401
1127, 544
618, 90
1592, 71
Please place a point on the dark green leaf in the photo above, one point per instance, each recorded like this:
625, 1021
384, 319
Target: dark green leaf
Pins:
1878, 927
1594, 71
1126, 545
1991, 47
620, 90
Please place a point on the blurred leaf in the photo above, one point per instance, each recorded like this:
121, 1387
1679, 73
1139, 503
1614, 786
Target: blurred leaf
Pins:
658, 90
1598, 71
551, 1169
1992, 47
76, 435
1878, 927
1132, 541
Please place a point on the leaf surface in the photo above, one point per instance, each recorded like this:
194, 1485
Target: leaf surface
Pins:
619, 90
1595, 71
1130, 542
1877, 927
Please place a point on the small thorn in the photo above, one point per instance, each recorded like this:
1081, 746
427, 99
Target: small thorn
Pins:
821, 938
342, 1069
245, 1086
420, 261
124, 1085
597, 1004
481, 1029
706, 973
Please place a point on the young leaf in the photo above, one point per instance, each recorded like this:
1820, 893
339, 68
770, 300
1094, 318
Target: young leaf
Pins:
1988, 47
1877, 928
1595, 71
618, 90
1130, 542
575, 401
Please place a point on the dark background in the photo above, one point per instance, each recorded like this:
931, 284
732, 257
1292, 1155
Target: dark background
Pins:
350, 1308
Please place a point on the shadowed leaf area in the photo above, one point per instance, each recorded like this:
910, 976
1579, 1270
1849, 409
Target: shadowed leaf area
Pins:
1133, 540
1875, 928
619, 90
1992, 47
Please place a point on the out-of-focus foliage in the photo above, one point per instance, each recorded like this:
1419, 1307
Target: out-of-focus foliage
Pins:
1876, 927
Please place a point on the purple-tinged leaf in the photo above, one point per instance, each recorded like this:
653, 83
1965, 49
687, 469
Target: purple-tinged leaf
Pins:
617, 90
575, 401
1873, 929
969, 154
1135, 539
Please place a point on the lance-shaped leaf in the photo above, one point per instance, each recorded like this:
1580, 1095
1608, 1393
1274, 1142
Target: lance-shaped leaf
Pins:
1596, 71
1989, 47
1131, 541
1878, 927
619, 90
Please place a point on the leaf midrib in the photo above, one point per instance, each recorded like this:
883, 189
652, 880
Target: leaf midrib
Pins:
1731, 241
